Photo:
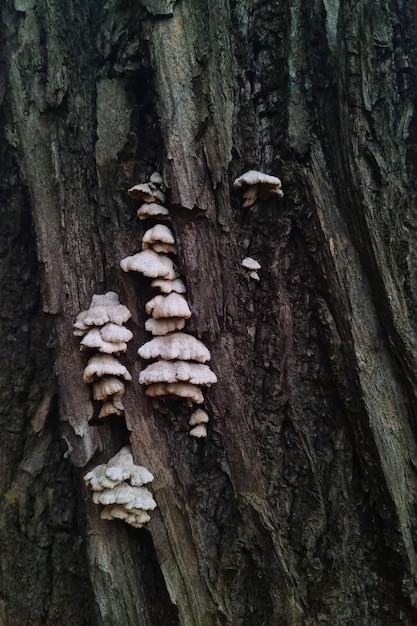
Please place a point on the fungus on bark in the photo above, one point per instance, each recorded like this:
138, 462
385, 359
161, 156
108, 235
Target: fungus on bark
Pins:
199, 431
118, 485
151, 264
198, 419
172, 305
164, 326
177, 371
104, 365
175, 346
258, 186
152, 210
101, 330
146, 193
191, 393
252, 265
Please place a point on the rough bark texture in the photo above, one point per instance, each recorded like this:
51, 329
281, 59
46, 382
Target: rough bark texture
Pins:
300, 506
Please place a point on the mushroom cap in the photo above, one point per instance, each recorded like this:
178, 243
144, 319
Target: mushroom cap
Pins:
166, 286
159, 232
172, 305
110, 298
97, 479
190, 392
135, 517
150, 263
152, 209
175, 346
114, 333
250, 264
164, 326
177, 371
198, 417
258, 185
254, 275
253, 177
106, 387
131, 497
146, 193
122, 468
93, 339
198, 431
100, 315
110, 408
156, 179
104, 365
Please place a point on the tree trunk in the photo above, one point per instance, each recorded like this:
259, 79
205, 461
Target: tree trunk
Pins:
300, 506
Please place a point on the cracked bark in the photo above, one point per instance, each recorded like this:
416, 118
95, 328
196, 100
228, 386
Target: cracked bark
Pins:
300, 507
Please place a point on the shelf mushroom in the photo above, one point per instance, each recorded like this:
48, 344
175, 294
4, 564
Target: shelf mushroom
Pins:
258, 186
102, 331
252, 265
198, 419
151, 264
119, 486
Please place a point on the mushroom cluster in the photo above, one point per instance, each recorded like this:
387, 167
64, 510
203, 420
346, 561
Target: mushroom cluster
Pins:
253, 266
103, 334
258, 186
179, 368
118, 486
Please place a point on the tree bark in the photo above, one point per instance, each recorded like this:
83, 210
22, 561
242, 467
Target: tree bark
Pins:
300, 506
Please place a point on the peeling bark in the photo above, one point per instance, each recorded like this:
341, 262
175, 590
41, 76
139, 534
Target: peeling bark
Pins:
300, 506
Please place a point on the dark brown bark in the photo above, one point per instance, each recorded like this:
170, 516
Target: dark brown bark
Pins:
300, 506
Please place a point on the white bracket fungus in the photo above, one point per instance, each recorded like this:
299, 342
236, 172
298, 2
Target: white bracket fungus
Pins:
164, 326
146, 193
101, 330
151, 264
199, 431
166, 286
172, 305
174, 346
104, 365
152, 210
252, 265
118, 485
191, 393
177, 371
257, 185
198, 419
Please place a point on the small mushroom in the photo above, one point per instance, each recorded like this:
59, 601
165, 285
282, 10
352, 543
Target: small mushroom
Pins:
164, 326
191, 393
104, 365
250, 264
198, 417
159, 232
114, 333
199, 431
146, 193
106, 387
114, 406
257, 185
172, 305
150, 263
156, 180
177, 371
93, 339
175, 346
152, 210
